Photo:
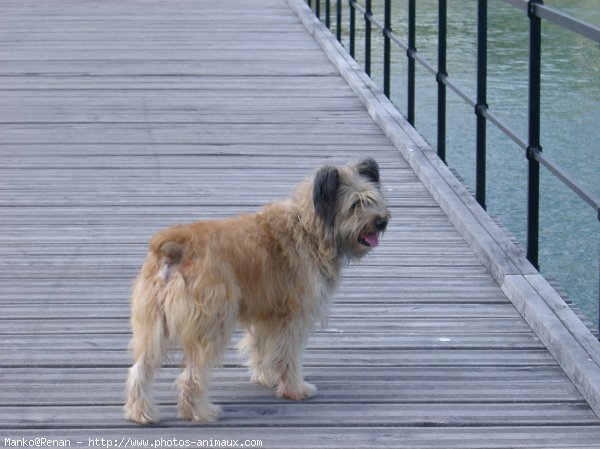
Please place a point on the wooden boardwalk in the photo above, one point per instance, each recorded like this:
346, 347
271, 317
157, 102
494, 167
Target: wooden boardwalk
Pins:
118, 118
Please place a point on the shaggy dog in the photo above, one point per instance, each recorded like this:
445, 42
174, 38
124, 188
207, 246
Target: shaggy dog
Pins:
272, 273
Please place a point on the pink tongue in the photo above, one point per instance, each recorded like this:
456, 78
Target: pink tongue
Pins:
372, 239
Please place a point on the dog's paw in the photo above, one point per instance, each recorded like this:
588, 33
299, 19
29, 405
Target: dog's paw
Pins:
205, 413
302, 391
141, 415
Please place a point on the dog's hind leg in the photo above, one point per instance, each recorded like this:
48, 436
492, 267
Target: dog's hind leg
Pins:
148, 346
140, 404
148, 354
192, 383
203, 341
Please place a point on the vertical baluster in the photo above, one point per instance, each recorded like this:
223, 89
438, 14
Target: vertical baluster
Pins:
481, 106
441, 76
387, 29
338, 20
352, 28
368, 15
533, 196
410, 53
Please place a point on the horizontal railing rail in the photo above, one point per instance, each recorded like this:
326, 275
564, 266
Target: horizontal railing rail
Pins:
536, 11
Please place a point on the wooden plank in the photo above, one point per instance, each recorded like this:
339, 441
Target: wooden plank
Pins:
334, 339
317, 415
317, 154
549, 376
207, 108
339, 310
329, 393
349, 357
332, 393
171, 67
204, 86
105, 292
433, 326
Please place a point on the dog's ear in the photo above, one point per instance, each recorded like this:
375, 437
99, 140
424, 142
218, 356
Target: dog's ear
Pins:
326, 183
369, 169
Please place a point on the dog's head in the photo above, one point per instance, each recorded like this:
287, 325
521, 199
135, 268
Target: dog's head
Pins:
349, 204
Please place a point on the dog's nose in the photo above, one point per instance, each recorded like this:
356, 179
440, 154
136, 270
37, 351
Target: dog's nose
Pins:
381, 223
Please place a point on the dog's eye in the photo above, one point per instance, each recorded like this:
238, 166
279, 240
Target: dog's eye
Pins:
356, 205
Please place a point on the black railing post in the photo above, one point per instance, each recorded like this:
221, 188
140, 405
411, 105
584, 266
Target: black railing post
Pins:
534, 147
328, 13
352, 43
387, 29
412, 30
441, 76
318, 8
338, 20
368, 15
481, 106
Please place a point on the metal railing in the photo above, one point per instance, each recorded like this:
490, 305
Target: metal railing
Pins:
535, 11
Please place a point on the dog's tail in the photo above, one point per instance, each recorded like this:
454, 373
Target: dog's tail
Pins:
165, 252
160, 302
156, 283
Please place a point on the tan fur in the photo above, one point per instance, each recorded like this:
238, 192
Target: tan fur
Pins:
272, 273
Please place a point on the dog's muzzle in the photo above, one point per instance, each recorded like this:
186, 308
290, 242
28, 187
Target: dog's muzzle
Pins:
371, 239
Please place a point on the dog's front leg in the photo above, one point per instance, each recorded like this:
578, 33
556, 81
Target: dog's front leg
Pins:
291, 343
259, 348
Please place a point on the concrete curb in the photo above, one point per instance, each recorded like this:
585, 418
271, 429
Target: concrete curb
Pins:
568, 340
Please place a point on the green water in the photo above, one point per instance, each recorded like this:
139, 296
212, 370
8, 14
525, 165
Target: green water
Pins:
569, 231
